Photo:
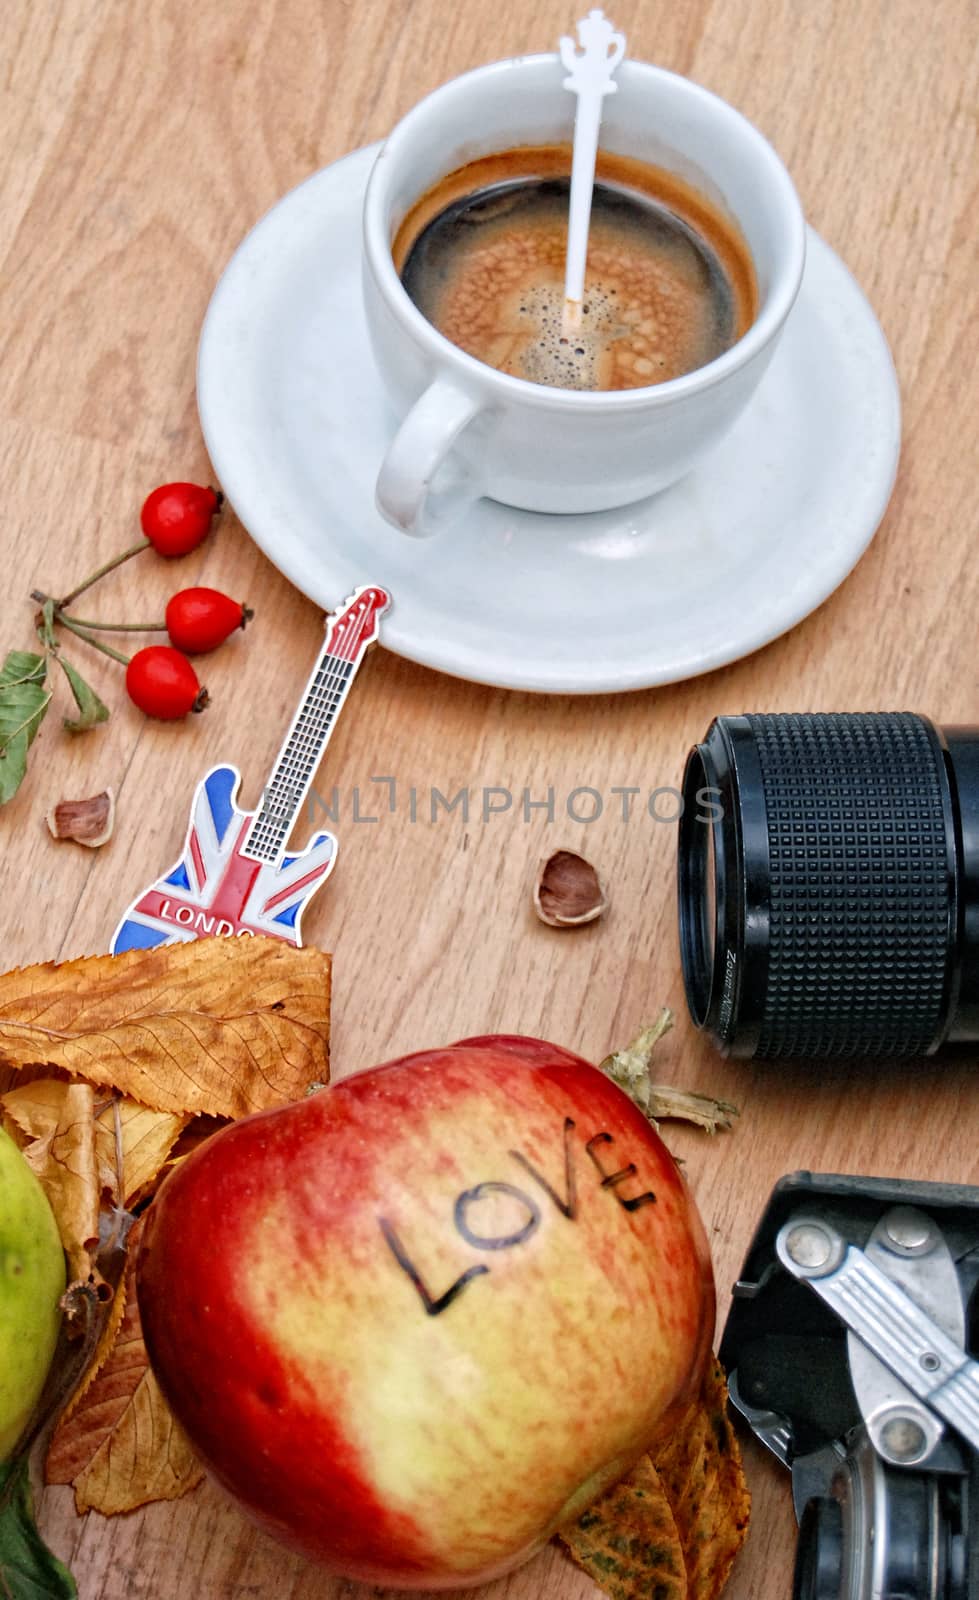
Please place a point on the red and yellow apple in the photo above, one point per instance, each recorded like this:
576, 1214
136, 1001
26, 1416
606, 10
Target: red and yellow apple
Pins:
420, 1319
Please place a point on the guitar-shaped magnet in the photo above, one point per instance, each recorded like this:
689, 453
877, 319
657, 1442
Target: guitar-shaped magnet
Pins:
234, 876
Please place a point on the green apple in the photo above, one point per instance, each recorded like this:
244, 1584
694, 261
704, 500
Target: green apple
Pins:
32, 1281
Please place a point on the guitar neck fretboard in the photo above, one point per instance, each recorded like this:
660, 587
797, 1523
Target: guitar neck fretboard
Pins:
298, 759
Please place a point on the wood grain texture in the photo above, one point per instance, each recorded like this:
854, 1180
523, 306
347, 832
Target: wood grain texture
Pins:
140, 143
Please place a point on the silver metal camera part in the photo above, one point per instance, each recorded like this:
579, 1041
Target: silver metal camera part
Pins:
850, 1348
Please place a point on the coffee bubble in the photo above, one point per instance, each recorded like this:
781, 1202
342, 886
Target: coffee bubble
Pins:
488, 271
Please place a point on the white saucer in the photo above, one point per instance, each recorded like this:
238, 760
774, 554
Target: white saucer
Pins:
711, 569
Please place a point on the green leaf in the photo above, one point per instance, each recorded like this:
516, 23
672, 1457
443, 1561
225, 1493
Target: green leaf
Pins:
23, 696
23, 701
28, 1569
92, 709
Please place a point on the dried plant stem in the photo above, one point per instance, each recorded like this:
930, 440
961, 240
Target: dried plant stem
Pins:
97, 644
630, 1069
111, 627
100, 572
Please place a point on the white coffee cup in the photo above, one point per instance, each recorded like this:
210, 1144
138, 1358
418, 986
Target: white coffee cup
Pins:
468, 430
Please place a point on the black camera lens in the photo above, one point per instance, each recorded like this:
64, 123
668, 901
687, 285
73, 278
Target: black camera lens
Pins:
819, 1554
885, 1532
829, 885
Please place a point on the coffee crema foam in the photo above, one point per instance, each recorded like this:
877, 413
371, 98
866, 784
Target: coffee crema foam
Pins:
664, 293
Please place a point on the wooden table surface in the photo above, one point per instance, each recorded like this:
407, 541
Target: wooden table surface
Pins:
140, 143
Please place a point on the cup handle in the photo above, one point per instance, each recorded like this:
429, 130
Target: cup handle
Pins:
405, 493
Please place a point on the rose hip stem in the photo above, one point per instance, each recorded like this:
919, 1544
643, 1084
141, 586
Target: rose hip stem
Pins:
110, 627
57, 615
100, 572
97, 644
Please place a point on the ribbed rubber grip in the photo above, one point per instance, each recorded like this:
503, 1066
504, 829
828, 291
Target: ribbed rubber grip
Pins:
859, 873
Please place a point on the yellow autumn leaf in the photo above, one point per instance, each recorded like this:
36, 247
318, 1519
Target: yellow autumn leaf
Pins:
628, 1543
701, 1471
145, 1457
674, 1525
73, 1146
120, 1446
144, 1138
59, 1119
221, 1026
151, 1052
12, 1131
37, 1108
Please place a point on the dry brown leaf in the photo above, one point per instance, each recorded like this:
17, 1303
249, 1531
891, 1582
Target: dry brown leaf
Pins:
196, 1033
60, 1122
700, 1469
197, 1131
120, 1447
36, 1108
672, 1528
103, 1349
12, 1131
146, 1139
628, 1543
224, 1026
72, 1146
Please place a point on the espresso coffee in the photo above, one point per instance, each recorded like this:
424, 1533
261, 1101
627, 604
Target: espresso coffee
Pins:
669, 284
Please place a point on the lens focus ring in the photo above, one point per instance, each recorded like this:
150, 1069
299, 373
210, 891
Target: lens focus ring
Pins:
859, 884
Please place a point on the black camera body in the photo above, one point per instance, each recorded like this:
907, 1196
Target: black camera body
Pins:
850, 1349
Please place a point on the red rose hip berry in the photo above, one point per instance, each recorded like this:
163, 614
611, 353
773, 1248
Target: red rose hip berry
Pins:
176, 516
162, 682
199, 620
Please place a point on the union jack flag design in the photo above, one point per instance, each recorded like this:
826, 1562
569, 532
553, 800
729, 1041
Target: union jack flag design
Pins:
234, 876
215, 889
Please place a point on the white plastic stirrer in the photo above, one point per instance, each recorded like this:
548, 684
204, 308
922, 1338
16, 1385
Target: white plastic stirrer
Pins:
590, 70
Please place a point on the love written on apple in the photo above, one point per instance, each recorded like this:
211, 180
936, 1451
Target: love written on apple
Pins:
419, 1320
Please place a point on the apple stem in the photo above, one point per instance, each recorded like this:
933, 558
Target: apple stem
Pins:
683, 1105
629, 1068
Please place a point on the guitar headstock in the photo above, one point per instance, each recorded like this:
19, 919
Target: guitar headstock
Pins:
356, 624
